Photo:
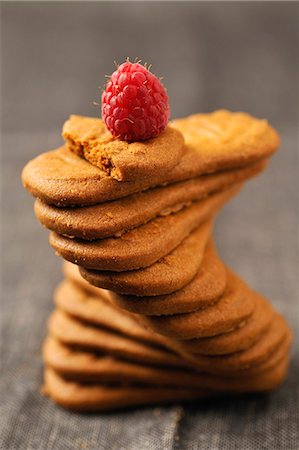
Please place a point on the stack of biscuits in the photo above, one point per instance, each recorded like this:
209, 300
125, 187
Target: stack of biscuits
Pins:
147, 311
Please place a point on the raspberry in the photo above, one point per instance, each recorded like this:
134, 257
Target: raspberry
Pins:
135, 104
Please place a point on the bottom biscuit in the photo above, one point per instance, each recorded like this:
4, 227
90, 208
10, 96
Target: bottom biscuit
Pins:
87, 367
100, 397
80, 397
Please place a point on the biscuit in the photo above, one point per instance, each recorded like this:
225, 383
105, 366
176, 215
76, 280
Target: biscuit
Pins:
80, 397
99, 311
167, 275
86, 367
201, 363
96, 397
204, 289
240, 338
72, 274
281, 353
113, 218
75, 333
142, 246
221, 138
137, 219
62, 178
258, 358
89, 138
89, 367
252, 360
225, 139
236, 305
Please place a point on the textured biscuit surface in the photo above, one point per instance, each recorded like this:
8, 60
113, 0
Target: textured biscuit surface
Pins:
144, 245
252, 360
99, 311
90, 367
241, 337
226, 139
122, 342
83, 367
115, 217
89, 138
214, 142
167, 275
78, 397
72, 273
75, 333
99, 397
204, 289
236, 305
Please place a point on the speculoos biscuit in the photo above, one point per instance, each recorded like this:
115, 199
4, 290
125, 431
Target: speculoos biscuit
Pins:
144, 245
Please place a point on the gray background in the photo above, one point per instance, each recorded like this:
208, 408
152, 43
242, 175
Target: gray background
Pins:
212, 55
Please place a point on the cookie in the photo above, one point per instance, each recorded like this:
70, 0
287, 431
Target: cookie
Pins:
281, 353
99, 311
72, 274
72, 332
62, 178
90, 398
167, 275
115, 217
240, 338
204, 363
142, 246
80, 397
198, 361
86, 367
252, 360
89, 138
223, 139
236, 305
203, 290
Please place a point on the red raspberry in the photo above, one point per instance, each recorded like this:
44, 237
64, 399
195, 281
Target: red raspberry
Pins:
135, 104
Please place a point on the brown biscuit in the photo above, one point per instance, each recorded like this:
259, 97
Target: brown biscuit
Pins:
142, 246
204, 289
100, 397
204, 363
236, 305
72, 332
80, 397
62, 178
257, 359
99, 311
89, 138
239, 338
167, 275
252, 360
269, 364
72, 273
113, 218
227, 139
89, 367
86, 367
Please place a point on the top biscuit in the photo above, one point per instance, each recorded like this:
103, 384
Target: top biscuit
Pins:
223, 139
214, 142
89, 138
